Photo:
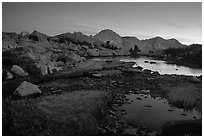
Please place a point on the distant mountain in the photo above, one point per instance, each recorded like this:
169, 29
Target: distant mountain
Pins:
104, 39
158, 43
146, 46
130, 42
77, 38
109, 35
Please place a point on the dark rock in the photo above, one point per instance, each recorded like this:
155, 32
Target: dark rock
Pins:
146, 61
152, 62
147, 71
138, 98
139, 67
130, 71
183, 114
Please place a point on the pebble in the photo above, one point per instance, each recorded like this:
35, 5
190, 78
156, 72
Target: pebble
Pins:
138, 98
184, 114
194, 117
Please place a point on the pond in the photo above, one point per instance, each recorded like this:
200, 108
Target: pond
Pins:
153, 113
158, 65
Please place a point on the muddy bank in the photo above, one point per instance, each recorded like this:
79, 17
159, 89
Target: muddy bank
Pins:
82, 104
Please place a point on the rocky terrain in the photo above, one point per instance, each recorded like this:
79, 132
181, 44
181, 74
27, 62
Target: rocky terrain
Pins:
51, 86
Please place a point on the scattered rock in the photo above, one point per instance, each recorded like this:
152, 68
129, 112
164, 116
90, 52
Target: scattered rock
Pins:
6, 75
19, 71
138, 98
184, 114
152, 62
27, 88
139, 67
145, 91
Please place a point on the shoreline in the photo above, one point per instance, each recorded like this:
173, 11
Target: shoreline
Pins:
115, 79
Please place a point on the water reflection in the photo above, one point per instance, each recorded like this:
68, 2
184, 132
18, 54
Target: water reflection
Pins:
154, 112
164, 68
160, 66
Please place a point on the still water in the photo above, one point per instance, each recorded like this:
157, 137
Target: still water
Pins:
160, 66
154, 112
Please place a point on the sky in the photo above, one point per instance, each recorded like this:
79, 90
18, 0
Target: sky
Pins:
182, 21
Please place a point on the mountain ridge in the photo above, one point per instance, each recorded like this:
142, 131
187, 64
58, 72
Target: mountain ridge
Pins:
109, 36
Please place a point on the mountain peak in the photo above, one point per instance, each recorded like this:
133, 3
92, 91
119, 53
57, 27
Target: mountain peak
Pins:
109, 35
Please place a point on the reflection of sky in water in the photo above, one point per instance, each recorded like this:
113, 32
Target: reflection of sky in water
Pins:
157, 115
161, 66
164, 68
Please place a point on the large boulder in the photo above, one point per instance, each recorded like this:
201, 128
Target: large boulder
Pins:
19, 71
27, 88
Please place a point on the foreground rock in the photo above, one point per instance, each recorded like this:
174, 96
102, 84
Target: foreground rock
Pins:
19, 71
27, 88
74, 113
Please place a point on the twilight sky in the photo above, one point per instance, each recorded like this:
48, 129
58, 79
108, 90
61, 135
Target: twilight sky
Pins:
182, 21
